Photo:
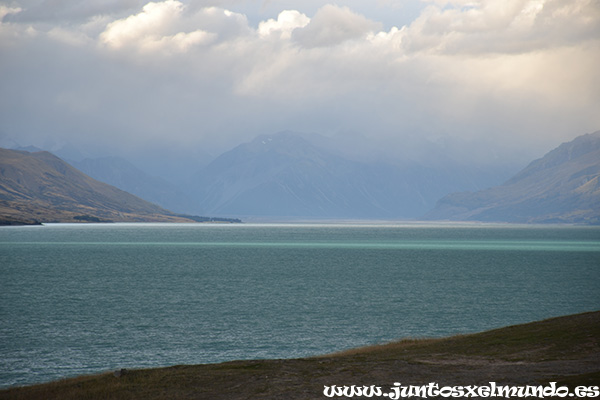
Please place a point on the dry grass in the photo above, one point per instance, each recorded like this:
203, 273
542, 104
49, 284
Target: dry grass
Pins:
565, 350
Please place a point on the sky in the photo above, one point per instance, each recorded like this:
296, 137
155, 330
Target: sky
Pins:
210, 74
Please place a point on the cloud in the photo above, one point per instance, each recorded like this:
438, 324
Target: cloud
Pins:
4, 11
72, 11
154, 19
333, 25
69, 37
169, 26
286, 22
204, 73
152, 29
503, 26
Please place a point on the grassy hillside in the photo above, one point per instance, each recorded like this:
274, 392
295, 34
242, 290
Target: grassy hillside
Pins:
40, 187
564, 350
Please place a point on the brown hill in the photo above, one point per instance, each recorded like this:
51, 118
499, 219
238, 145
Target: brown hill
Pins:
40, 187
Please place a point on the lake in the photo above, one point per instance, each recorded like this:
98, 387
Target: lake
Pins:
81, 299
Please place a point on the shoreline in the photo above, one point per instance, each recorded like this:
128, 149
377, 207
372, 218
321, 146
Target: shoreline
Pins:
562, 349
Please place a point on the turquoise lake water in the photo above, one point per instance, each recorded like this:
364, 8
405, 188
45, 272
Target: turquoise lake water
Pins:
81, 299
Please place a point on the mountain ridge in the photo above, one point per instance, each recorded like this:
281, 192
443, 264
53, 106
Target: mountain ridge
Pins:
40, 187
285, 167
122, 174
288, 174
561, 187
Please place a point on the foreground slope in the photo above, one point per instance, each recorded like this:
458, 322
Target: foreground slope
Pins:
562, 186
40, 187
565, 350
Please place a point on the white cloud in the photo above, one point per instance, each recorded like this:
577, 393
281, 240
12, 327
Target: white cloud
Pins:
154, 20
180, 42
4, 11
503, 26
170, 26
454, 3
286, 22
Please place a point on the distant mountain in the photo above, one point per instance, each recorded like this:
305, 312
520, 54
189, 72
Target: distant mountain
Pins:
122, 174
290, 175
40, 187
174, 165
562, 186
29, 149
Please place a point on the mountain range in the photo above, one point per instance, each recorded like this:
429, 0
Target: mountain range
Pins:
561, 187
289, 176
301, 176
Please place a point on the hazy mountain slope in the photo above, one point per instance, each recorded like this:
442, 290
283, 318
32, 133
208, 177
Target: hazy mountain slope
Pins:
562, 186
41, 187
288, 175
122, 174
282, 175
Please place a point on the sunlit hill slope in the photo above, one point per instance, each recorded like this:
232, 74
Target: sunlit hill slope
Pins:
40, 187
